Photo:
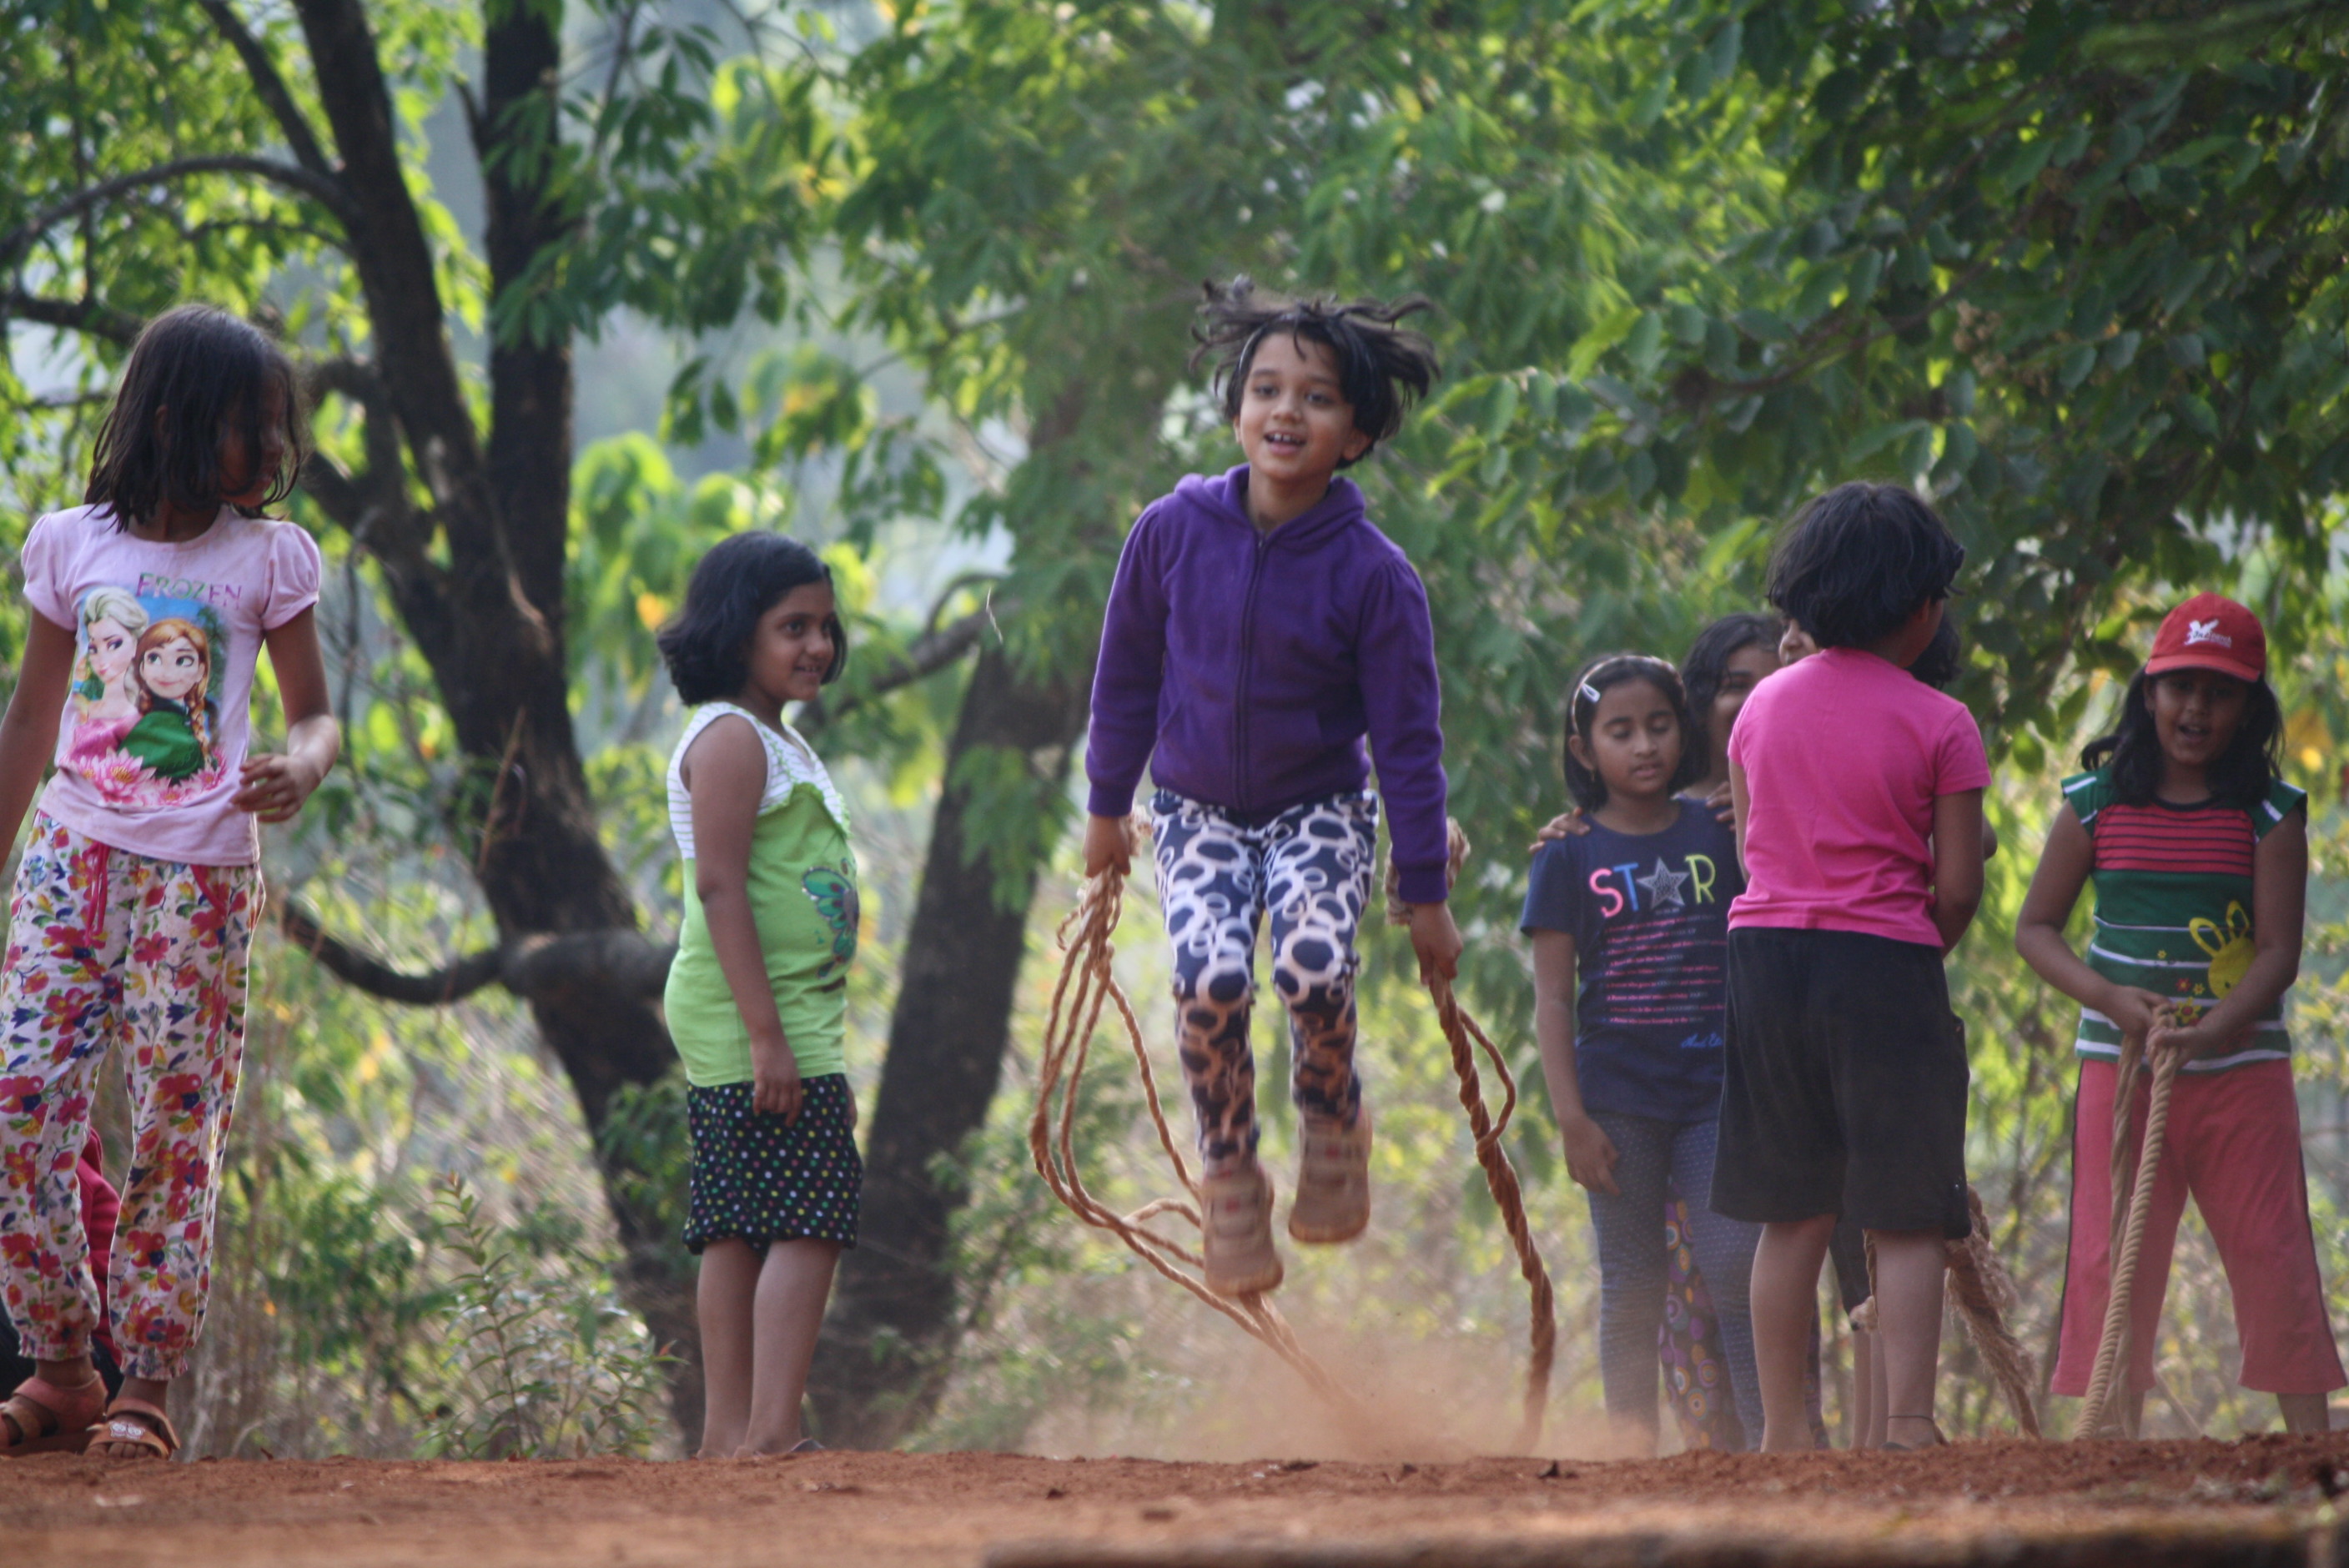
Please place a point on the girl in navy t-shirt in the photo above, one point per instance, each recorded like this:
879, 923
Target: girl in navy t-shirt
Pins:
1630, 935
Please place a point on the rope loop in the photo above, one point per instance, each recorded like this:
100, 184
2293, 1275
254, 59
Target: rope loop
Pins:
1087, 985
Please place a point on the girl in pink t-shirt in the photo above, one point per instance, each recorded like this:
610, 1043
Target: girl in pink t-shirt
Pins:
137, 887
1846, 1084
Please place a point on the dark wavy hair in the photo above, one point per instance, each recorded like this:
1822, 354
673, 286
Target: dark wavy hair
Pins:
739, 581
194, 374
2241, 777
1382, 367
1944, 658
1860, 560
1589, 789
1708, 662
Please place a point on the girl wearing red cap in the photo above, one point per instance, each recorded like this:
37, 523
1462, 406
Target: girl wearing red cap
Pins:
2200, 854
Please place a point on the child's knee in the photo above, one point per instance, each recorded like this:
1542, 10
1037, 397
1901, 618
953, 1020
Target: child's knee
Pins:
1314, 974
1213, 1000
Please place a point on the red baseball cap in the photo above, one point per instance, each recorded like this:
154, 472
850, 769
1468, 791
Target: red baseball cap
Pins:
2210, 632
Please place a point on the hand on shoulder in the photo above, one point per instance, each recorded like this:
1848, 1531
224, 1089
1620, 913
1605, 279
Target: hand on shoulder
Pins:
1572, 824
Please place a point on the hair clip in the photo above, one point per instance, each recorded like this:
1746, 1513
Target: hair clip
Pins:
1590, 691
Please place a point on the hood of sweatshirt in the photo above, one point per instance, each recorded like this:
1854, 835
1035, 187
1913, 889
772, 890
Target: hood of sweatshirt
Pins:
1225, 498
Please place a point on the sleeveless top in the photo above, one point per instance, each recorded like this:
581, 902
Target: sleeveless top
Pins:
2174, 907
802, 886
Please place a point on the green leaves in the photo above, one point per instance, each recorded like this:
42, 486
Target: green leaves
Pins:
1964, 259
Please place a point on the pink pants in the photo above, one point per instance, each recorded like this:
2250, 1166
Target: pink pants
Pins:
2233, 1142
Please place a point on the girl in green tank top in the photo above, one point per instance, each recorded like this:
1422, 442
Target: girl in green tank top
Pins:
757, 999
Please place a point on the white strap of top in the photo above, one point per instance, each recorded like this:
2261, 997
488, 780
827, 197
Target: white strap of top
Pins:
791, 762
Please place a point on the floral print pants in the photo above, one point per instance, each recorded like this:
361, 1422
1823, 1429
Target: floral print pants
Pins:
110, 951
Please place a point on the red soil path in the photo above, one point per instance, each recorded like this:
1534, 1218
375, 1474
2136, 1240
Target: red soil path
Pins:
2262, 1501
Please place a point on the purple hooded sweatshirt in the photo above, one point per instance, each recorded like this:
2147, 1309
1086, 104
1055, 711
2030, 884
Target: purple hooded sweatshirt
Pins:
1253, 664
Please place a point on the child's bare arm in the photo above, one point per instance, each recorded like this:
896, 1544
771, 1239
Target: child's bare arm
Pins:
1590, 1154
272, 786
28, 735
725, 773
1741, 807
2055, 887
1957, 874
2279, 908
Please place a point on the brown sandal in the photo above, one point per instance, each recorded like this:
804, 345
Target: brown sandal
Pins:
139, 1424
43, 1418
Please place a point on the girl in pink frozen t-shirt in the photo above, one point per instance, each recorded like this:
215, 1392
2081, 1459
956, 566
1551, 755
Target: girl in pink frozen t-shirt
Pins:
137, 887
1846, 1084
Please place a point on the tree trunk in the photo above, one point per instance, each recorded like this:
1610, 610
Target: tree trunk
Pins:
491, 621
880, 1368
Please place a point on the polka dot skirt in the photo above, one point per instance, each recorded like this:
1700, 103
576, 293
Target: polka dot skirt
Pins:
757, 1180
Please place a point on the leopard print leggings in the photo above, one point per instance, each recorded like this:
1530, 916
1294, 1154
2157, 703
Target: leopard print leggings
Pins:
1310, 868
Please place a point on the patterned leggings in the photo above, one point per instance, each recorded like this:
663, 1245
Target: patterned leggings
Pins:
1310, 868
109, 951
1652, 1157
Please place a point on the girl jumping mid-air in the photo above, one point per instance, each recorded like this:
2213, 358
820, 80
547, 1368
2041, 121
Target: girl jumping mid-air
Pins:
758, 998
1628, 923
138, 886
2199, 855
1846, 1085
1257, 630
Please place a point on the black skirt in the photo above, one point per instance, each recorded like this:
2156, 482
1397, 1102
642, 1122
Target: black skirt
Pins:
759, 1180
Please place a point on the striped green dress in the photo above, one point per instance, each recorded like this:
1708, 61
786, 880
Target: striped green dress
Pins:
2173, 912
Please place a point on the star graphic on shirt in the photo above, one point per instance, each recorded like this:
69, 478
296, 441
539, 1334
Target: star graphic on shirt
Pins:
1663, 886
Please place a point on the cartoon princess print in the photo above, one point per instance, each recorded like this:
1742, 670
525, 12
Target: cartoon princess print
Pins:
145, 698
106, 703
172, 673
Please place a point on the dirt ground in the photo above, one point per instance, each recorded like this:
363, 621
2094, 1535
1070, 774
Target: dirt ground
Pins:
2260, 1501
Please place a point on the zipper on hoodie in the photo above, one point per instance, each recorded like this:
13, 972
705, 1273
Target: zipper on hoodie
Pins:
1240, 799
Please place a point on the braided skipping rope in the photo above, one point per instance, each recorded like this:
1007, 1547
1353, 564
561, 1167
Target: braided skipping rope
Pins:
1500, 1176
1087, 985
2132, 1196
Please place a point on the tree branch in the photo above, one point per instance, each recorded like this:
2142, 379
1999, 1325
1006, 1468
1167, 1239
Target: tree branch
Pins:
926, 654
270, 87
89, 316
339, 494
449, 982
616, 957
532, 968
355, 379
374, 506
326, 191
925, 657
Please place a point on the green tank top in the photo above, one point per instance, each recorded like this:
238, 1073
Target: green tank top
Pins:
802, 886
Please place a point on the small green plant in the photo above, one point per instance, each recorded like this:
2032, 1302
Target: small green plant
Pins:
647, 1154
545, 1362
